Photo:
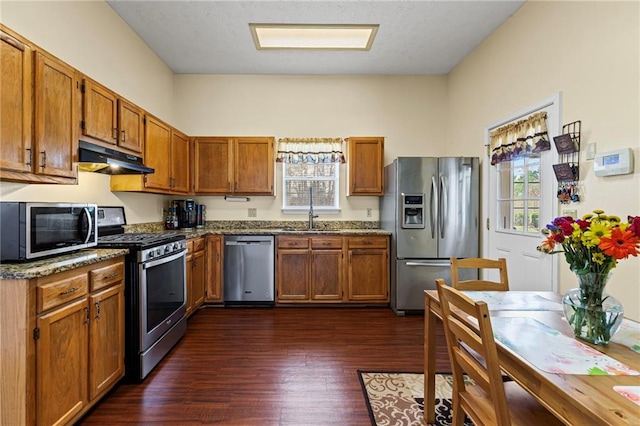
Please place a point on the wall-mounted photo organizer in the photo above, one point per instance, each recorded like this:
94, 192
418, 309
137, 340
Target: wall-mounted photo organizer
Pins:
567, 171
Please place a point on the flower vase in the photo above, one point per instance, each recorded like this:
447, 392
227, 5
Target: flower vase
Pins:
593, 315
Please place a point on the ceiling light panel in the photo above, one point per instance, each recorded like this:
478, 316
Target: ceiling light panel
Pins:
323, 37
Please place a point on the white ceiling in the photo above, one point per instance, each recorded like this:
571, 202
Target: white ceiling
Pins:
415, 37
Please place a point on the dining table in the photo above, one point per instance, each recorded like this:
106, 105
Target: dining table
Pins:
580, 383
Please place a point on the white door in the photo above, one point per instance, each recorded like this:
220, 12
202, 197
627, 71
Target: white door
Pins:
520, 200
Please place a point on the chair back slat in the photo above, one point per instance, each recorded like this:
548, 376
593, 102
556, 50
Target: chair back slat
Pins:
479, 263
467, 324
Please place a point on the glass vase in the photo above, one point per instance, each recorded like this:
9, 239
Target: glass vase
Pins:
593, 315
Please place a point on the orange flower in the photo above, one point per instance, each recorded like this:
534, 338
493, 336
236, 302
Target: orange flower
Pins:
620, 245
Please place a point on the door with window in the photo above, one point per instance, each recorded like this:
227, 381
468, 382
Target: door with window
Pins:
520, 201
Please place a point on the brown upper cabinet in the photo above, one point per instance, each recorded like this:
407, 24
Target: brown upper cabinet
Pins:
108, 118
233, 165
366, 165
167, 152
39, 101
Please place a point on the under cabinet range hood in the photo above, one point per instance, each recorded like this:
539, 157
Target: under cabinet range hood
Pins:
96, 158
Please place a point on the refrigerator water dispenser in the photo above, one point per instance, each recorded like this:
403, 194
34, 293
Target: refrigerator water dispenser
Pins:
413, 210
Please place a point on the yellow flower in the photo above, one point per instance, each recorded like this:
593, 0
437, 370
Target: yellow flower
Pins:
587, 216
614, 220
598, 211
596, 231
598, 258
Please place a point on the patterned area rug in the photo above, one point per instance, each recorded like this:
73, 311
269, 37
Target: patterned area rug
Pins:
397, 399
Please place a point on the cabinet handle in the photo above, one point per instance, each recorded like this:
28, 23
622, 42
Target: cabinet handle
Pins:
29, 158
97, 310
69, 291
108, 277
217, 257
115, 133
44, 159
86, 318
194, 263
124, 136
326, 243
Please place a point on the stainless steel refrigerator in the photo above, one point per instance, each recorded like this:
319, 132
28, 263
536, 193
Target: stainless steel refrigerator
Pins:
431, 207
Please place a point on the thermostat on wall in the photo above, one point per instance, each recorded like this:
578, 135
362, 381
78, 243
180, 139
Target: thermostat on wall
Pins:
618, 162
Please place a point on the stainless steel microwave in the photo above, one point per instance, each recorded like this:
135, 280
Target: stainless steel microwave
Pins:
33, 230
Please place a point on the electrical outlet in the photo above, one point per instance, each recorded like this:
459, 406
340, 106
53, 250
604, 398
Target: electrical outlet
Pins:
591, 151
252, 212
572, 213
369, 212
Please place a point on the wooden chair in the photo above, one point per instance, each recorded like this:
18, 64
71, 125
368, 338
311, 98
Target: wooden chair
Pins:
489, 401
479, 263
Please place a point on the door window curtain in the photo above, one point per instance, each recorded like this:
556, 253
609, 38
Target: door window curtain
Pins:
520, 138
310, 150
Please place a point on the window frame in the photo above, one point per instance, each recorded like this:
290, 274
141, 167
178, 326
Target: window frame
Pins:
526, 166
335, 209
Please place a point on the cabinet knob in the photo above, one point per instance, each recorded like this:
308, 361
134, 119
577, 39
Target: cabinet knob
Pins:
97, 304
44, 159
115, 133
29, 156
124, 136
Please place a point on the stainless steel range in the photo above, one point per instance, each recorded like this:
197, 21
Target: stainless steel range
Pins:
155, 290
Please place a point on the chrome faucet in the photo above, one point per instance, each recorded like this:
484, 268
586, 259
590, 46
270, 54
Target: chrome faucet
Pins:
311, 215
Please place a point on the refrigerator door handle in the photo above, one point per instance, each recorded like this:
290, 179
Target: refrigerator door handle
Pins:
439, 265
443, 206
434, 197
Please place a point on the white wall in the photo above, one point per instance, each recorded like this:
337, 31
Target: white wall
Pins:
590, 52
410, 112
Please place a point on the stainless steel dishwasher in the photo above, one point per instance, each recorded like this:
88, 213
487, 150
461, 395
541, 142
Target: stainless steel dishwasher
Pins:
249, 270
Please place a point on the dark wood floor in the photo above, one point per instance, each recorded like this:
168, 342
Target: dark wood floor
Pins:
271, 366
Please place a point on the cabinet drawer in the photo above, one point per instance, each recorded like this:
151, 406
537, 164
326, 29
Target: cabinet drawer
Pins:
198, 244
56, 293
326, 242
293, 242
104, 277
368, 242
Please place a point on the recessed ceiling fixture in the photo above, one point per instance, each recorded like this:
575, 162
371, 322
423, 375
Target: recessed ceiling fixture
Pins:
313, 36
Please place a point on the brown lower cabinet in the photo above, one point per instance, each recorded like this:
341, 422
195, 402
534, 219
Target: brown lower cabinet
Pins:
195, 274
332, 269
213, 269
63, 343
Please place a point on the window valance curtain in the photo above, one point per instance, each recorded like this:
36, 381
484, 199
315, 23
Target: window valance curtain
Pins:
310, 150
520, 138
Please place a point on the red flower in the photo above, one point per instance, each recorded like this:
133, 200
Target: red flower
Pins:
583, 224
635, 225
620, 245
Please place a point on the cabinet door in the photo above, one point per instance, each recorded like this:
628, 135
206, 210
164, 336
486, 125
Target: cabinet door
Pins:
212, 165
368, 277
16, 91
326, 275
213, 268
61, 363
366, 166
106, 339
253, 166
179, 161
130, 126
100, 108
56, 136
197, 279
157, 153
292, 272
189, 298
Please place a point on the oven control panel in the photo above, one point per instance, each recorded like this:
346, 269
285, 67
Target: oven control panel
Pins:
162, 250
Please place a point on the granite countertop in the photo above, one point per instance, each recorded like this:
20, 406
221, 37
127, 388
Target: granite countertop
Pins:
281, 231
264, 227
52, 265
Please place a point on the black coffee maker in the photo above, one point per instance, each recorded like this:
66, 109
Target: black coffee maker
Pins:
186, 211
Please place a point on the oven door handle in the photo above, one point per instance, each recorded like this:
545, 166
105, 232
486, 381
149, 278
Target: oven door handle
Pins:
167, 259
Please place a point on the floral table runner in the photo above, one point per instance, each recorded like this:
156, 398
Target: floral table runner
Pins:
561, 354
514, 301
628, 335
630, 392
